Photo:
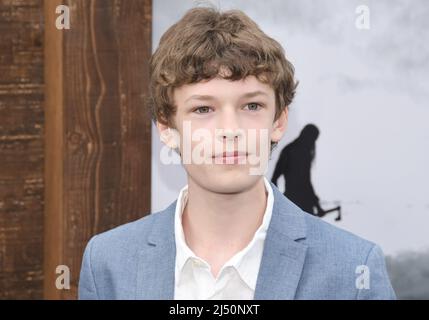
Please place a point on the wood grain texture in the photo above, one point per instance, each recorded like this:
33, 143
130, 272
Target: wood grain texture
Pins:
21, 149
98, 134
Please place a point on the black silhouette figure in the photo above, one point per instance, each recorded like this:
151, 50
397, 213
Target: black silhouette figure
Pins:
295, 165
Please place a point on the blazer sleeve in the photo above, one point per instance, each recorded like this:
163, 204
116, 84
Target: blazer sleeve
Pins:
87, 289
380, 287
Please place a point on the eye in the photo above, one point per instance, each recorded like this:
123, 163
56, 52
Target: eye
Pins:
253, 106
202, 109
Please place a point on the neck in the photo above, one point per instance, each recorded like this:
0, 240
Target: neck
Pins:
222, 224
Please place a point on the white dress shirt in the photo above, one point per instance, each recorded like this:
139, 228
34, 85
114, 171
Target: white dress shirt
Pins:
237, 277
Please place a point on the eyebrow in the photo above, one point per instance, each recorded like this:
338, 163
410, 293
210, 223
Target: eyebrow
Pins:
210, 98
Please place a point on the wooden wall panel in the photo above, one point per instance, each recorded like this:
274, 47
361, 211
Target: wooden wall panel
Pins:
75, 139
21, 149
98, 134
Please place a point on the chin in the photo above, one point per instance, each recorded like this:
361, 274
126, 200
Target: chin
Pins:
230, 182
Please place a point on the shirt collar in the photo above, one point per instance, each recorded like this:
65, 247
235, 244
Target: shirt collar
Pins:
246, 261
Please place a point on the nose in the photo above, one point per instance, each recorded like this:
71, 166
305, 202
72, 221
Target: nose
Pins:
229, 129
229, 134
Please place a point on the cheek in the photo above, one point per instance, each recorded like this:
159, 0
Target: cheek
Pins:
259, 135
260, 122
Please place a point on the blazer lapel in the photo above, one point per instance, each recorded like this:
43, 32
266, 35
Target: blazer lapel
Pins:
283, 257
156, 261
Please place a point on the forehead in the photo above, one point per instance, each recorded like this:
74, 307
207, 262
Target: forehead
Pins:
222, 89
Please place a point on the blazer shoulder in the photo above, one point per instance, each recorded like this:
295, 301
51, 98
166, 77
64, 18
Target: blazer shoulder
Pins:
130, 234
110, 258
325, 235
345, 259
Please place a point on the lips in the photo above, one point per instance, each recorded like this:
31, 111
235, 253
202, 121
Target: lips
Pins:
233, 154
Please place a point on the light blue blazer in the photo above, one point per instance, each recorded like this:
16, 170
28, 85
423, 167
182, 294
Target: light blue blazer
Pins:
303, 258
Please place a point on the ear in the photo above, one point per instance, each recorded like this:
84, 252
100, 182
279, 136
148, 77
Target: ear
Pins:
167, 135
280, 125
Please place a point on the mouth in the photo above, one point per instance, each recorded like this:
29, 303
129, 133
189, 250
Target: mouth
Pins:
230, 157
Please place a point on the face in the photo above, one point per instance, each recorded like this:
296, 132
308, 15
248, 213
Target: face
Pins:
218, 118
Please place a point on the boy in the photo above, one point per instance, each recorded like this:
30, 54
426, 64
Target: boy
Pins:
231, 234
